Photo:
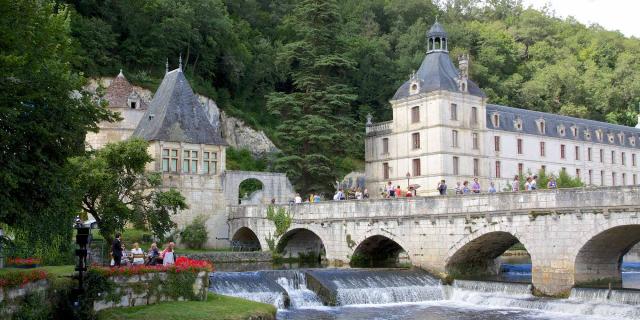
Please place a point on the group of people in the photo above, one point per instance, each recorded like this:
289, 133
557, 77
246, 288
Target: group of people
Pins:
341, 194
396, 192
531, 183
135, 256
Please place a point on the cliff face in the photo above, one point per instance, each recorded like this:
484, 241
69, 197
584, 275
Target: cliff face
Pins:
234, 131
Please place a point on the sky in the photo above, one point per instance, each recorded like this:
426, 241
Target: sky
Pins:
619, 15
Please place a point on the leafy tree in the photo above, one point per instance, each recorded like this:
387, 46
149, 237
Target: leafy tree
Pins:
116, 189
44, 117
195, 234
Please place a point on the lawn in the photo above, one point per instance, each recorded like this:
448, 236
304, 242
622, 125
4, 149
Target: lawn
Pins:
216, 307
58, 271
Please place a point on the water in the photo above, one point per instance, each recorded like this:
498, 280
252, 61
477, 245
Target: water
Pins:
405, 294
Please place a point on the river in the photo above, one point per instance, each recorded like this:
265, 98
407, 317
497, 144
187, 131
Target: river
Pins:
414, 294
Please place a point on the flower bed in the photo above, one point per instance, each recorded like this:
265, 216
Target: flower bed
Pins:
23, 262
183, 264
21, 278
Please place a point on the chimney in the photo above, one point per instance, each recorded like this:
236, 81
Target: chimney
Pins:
463, 66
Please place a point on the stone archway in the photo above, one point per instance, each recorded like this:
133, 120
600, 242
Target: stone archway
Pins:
275, 186
379, 251
250, 191
477, 256
599, 260
245, 239
303, 244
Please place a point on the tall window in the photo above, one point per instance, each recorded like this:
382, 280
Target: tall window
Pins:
454, 111
578, 173
456, 167
590, 177
624, 179
169, 160
415, 114
454, 138
416, 167
623, 158
476, 167
635, 179
613, 178
543, 168
209, 162
613, 156
385, 170
562, 151
520, 168
415, 138
633, 160
190, 161
474, 139
601, 178
519, 146
385, 145
589, 153
542, 151
474, 115
497, 169
602, 155
577, 151
496, 143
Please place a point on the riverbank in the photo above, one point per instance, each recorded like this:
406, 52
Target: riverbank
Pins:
216, 307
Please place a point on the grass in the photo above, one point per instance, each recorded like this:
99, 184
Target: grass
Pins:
57, 271
217, 307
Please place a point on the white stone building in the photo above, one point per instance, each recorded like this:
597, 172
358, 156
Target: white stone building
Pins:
443, 128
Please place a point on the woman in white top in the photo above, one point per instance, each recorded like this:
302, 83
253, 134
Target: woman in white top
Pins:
138, 254
168, 257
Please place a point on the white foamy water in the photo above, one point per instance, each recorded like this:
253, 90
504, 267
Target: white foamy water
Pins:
299, 295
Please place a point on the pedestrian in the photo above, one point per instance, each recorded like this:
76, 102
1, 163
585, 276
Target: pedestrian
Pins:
297, 199
475, 186
358, 194
552, 183
365, 193
273, 200
311, 197
116, 250
391, 191
465, 187
458, 188
410, 192
398, 192
515, 185
527, 184
153, 255
492, 187
137, 254
442, 187
316, 198
168, 254
534, 182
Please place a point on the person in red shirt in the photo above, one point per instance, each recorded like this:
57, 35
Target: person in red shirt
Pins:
409, 192
398, 192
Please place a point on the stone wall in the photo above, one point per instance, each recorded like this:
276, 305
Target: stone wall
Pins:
11, 298
138, 290
231, 257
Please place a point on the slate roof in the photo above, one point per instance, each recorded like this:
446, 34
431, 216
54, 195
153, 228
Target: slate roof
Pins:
119, 92
437, 73
529, 118
436, 30
175, 115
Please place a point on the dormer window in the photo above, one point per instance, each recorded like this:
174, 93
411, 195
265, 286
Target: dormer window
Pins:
133, 104
574, 131
587, 135
621, 138
495, 120
541, 126
610, 137
561, 130
632, 141
415, 87
517, 124
599, 135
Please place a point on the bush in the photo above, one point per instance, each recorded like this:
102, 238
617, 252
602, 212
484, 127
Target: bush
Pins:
195, 235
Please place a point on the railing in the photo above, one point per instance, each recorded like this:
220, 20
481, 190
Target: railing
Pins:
379, 127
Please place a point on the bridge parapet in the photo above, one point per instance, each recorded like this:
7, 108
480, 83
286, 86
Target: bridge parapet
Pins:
533, 203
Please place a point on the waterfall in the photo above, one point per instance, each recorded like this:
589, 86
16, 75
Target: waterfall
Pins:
249, 285
296, 285
494, 286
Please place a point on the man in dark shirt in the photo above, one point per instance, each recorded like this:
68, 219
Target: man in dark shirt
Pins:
116, 250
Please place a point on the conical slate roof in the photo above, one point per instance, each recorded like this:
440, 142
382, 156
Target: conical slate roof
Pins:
436, 30
175, 115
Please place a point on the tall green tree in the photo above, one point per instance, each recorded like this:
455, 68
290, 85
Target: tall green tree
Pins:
44, 117
117, 190
316, 128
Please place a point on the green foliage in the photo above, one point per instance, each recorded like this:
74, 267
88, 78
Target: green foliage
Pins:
34, 306
195, 234
281, 218
44, 117
180, 284
116, 189
242, 159
566, 181
248, 187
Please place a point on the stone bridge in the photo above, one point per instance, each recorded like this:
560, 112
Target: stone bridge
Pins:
573, 235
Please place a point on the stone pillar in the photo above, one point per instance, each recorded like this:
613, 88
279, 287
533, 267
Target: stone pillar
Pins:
554, 278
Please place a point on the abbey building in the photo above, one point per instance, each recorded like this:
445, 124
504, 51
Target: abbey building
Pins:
444, 128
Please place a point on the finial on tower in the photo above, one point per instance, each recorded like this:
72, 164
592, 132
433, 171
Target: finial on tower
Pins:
180, 62
437, 17
166, 66
120, 74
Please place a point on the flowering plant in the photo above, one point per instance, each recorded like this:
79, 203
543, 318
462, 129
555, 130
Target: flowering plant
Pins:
21, 278
23, 261
182, 264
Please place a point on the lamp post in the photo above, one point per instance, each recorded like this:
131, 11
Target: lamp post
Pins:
83, 233
1, 241
408, 176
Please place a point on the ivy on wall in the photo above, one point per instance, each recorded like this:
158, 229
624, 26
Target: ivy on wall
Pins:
281, 218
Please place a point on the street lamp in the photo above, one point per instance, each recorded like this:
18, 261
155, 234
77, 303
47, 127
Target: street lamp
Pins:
1, 241
83, 236
408, 176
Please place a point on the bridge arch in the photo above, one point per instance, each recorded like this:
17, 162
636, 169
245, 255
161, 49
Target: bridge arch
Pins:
599, 258
302, 243
476, 254
379, 251
246, 239
274, 186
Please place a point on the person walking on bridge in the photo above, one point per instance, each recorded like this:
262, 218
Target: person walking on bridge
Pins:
442, 187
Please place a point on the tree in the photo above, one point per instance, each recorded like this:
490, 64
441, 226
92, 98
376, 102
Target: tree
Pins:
44, 117
116, 189
316, 128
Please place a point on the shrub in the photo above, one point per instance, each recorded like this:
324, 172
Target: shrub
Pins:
195, 234
21, 278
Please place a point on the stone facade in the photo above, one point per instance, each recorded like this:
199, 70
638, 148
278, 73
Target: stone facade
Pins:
572, 235
443, 128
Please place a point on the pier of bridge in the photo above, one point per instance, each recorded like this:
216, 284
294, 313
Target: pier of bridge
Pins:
574, 236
